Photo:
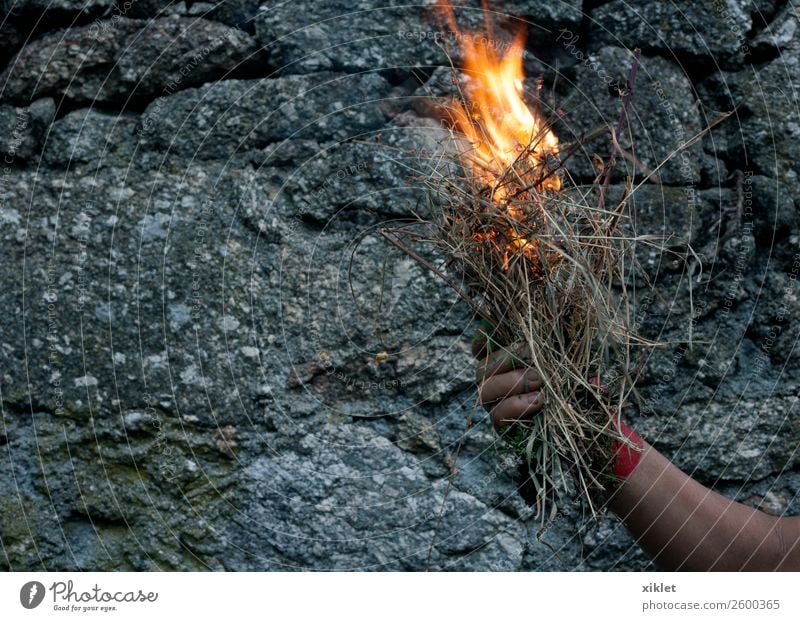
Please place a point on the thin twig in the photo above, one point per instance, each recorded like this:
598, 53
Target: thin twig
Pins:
623, 116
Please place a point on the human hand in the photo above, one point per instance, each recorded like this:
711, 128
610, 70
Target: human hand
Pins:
508, 388
512, 391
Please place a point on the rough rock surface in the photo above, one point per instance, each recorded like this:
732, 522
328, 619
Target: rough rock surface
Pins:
22, 129
659, 124
394, 37
199, 303
122, 60
246, 114
682, 28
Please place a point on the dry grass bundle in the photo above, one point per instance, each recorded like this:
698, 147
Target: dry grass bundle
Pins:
544, 268
543, 262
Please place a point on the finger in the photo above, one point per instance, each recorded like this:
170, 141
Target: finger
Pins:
518, 407
508, 384
502, 361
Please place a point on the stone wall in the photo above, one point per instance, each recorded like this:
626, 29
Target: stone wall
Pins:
196, 292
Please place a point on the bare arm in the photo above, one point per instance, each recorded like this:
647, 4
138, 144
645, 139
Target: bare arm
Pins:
685, 526
680, 523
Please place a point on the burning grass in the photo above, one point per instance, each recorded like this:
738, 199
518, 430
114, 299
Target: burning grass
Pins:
543, 262
544, 268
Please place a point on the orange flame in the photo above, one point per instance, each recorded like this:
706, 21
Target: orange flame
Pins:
503, 131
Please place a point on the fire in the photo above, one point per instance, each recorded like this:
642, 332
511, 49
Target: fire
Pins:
505, 135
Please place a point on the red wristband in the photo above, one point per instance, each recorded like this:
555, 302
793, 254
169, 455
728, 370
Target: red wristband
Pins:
626, 457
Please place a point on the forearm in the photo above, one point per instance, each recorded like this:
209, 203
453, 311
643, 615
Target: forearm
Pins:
680, 523
686, 526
